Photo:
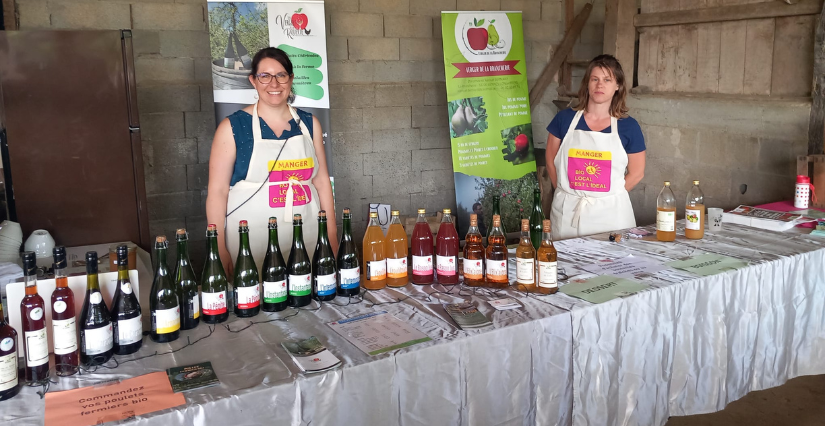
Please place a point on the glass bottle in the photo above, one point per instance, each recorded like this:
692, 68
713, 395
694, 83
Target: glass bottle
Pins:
246, 285
525, 259
375, 264
395, 250
125, 313
213, 281
33, 321
64, 319
186, 284
273, 272
495, 259
299, 268
163, 298
497, 211
323, 264
547, 266
9, 382
473, 264
446, 250
349, 266
96, 330
422, 250
695, 213
666, 214
535, 219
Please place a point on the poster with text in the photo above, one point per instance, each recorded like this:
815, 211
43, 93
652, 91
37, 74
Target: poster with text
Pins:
239, 29
489, 116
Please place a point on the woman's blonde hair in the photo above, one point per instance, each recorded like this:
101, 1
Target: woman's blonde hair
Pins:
618, 107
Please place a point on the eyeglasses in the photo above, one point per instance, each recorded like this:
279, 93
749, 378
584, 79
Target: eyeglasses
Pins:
266, 78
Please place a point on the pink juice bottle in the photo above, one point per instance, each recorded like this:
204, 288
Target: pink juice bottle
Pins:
422, 251
446, 255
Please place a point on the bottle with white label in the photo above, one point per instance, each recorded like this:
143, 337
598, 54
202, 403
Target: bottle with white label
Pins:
33, 320
186, 284
473, 264
96, 340
349, 264
64, 320
525, 260
395, 250
273, 272
547, 264
213, 281
125, 314
163, 299
9, 382
298, 268
666, 214
324, 274
374, 269
495, 257
446, 250
695, 213
246, 285
421, 247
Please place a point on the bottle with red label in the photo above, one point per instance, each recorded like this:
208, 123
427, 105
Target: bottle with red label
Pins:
213, 281
446, 251
32, 311
64, 320
495, 258
246, 285
422, 250
473, 264
375, 262
395, 249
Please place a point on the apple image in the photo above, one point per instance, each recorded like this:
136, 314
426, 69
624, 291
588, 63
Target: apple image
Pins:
521, 143
299, 20
477, 37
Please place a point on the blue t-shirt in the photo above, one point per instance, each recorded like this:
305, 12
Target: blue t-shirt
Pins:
630, 133
241, 122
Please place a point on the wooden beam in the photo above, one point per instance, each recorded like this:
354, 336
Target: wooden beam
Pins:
771, 9
9, 15
620, 35
816, 122
561, 52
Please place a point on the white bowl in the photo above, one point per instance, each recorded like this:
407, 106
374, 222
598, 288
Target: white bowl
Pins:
41, 243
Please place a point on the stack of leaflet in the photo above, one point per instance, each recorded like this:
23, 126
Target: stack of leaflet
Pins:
310, 355
765, 219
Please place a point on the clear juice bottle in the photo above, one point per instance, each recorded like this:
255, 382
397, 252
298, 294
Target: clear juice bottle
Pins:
666, 214
495, 258
547, 261
374, 269
422, 250
395, 249
473, 264
695, 213
446, 251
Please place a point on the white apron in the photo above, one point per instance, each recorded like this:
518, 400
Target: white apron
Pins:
285, 193
590, 196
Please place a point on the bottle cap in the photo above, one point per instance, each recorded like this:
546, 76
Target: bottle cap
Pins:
373, 215
446, 211
273, 222
667, 183
29, 263
59, 254
545, 225
322, 215
802, 179
159, 239
181, 234
537, 190
525, 224
346, 210
211, 228
296, 218
422, 211
696, 182
91, 262
123, 253
243, 223
395, 213
473, 219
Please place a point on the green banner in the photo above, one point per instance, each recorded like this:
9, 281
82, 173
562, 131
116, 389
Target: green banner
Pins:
488, 112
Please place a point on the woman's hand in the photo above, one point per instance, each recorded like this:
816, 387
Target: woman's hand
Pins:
323, 185
221, 166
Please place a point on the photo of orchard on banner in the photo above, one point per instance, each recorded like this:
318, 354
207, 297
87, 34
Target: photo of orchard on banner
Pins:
489, 116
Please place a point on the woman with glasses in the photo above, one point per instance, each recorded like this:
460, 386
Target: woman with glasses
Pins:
268, 160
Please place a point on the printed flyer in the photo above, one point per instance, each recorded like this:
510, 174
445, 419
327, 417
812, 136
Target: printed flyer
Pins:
489, 115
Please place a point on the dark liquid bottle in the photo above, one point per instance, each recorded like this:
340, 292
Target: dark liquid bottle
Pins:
536, 219
163, 299
323, 264
125, 314
497, 211
9, 382
349, 266
32, 311
213, 281
96, 331
64, 320
274, 272
299, 268
186, 284
422, 251
246, 285
446, 251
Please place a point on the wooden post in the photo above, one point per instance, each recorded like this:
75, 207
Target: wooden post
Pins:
816, 123
620, 34
9, 15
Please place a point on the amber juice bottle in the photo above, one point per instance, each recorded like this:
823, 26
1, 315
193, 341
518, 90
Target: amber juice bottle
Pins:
666, 214
473, 264
525, 260
374, 269
547, 265
495, 259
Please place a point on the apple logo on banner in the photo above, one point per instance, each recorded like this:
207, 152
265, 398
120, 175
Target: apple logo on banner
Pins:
483, 37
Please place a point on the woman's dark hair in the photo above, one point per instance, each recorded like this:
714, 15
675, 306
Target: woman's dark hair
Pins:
271, 53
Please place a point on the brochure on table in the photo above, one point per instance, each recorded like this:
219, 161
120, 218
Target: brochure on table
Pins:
602, 288
708, 264
378, 332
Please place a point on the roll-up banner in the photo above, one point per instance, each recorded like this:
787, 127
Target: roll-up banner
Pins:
489, 116
239, 29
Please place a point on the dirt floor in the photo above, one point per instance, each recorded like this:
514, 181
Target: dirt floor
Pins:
800, 402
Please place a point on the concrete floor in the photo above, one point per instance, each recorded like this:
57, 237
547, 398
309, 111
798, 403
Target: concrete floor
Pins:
799, 402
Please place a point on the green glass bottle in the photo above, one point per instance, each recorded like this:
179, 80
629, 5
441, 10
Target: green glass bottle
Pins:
96, 338
213, 281
125, 314
273, 272
497, 211
186, 284
163, 299
246, 285
299, 268
349, 263
323, 264
536, 219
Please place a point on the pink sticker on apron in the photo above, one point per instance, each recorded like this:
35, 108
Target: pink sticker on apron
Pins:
589, 170
301, 194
